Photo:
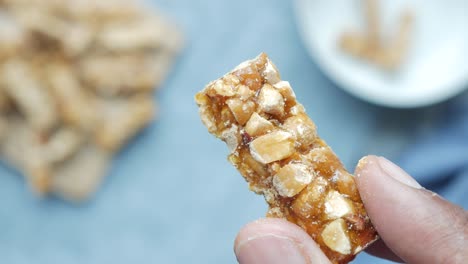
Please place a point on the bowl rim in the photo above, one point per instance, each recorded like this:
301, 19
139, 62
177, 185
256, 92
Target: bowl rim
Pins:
446, 92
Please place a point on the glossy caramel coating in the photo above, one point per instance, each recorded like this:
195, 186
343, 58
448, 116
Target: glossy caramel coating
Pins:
275, 147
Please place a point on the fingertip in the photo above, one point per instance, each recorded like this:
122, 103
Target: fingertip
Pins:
362, 173
273, 240
417, 225
362, 164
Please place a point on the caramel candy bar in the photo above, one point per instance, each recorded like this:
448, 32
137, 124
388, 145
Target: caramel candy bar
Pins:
123, 119
274, 145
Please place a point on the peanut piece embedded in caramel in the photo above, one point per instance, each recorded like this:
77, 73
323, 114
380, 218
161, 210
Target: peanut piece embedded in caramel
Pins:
337, 206
241, 110
275, 146
271, 101
291, 179
272, 147
335, 237
257, 125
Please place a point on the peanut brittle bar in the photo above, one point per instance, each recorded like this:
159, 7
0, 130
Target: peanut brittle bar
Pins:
77, 82
275, 146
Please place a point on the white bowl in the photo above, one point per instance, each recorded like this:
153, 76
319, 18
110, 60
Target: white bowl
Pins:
435, 69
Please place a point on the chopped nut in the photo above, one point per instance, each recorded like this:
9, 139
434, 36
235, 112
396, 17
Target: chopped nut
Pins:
231, 137
297, 109
271, 101
244, 92
241, 110
249, 76
306, 203
317, 189
228, 118
336, 205
232, 80
292, 179
275, 167
207, 119
222, 89
345, 184
205, 112
324, 160
272, 147
302, 128
286, 91
271, 73
335, 237
281, 157
256, 166
257, 125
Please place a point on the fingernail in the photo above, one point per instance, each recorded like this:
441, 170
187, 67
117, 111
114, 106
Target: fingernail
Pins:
397, 173
269, 248
361, 165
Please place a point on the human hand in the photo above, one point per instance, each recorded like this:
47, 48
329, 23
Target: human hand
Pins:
414, 224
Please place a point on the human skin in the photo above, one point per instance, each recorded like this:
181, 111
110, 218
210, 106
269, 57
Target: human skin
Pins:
415, 225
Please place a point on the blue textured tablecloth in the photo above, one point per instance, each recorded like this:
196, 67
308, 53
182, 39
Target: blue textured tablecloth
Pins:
171, 196
439, 158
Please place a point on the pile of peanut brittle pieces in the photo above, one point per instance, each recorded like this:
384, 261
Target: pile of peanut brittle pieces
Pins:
77, 79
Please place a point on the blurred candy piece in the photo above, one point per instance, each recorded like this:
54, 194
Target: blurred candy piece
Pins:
76, 84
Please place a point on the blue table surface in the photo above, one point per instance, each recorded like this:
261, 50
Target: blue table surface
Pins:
171, 196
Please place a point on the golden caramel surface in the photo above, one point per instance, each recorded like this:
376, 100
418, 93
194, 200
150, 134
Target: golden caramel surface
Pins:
275, 146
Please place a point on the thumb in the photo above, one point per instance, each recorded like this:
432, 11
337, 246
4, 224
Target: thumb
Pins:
272, 240
416, 224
